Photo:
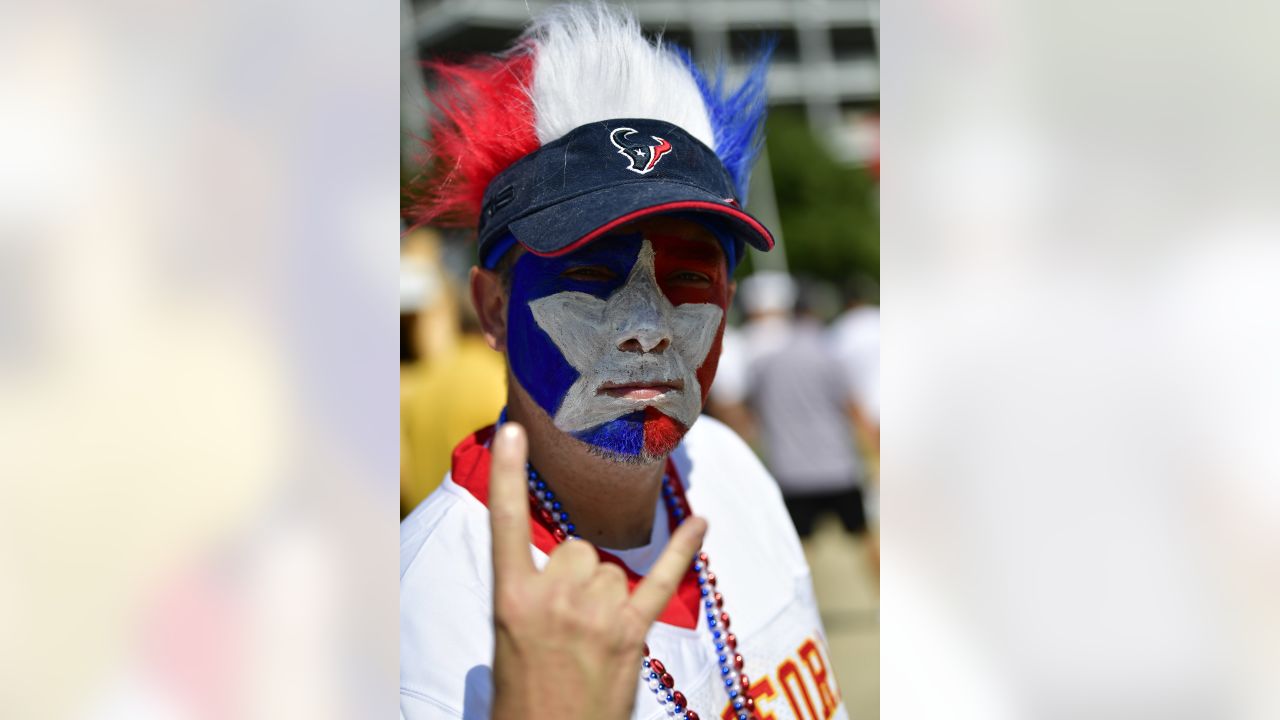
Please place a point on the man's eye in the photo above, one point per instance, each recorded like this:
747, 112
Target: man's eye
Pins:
689, 278
589, 273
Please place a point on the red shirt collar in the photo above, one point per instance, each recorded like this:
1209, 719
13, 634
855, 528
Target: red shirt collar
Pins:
471, 471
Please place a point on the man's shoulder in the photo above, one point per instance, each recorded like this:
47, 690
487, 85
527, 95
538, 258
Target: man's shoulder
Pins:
712, 451
708, 434
444, 533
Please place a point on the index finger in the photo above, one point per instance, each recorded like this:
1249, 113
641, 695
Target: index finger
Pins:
656, 589
509, 503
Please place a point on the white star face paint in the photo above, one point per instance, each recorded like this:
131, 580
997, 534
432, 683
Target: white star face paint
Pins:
618, 342
635, 338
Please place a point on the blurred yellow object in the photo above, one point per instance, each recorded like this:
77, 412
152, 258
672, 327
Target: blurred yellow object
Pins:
442, 402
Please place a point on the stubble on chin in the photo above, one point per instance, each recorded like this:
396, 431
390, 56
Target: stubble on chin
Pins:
644, 457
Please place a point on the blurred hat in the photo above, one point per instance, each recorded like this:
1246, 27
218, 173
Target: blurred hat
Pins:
768, 291
419, 286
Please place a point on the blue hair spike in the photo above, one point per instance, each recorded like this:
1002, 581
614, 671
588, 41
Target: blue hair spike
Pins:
737, 117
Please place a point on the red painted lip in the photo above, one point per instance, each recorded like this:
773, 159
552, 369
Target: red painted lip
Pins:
640, 391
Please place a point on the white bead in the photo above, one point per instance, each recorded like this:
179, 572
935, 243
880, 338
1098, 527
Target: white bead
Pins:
653, 684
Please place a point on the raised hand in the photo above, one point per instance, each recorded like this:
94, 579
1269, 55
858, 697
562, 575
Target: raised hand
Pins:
568, 639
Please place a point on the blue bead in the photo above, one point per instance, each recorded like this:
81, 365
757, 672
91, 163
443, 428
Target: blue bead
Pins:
737, 704
724, 670
678, 513
564, 517
670, 697
724, 659
702, 580
733, 694
666, 489
743, 716
710, 604
542, 485
697, 567
728, 682
556, 506
705, 592
572, 529
646, 663
719, 646
551, 495
653, 676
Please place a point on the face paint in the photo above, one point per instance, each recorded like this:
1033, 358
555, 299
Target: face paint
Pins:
618, 342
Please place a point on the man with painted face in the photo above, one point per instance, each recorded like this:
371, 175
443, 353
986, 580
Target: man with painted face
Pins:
584, 555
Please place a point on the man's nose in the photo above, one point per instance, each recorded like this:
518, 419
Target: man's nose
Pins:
645, 329
645, 342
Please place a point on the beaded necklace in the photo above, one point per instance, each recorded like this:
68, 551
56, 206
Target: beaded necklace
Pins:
652, 672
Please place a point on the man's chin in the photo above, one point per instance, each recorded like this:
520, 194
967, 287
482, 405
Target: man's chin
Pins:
643, 458
642, 437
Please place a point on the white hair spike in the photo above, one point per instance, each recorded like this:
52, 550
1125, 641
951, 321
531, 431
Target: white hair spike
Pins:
592, 63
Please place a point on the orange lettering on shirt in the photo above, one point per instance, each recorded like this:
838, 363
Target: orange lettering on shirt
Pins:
812, 658
789, 677
760, 689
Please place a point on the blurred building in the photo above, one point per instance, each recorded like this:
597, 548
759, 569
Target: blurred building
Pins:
826, 60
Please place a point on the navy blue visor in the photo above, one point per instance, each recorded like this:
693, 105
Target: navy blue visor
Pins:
602, 176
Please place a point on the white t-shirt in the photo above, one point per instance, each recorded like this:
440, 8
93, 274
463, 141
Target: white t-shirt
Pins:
855, 338
446, 626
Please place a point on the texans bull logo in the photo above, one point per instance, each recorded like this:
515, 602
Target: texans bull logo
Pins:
642, 156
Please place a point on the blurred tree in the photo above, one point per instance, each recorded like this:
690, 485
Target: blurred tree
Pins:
830, 221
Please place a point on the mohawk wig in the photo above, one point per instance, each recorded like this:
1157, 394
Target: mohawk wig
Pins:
574, 65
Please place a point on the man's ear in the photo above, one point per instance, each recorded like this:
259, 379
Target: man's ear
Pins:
490, 302
733, 290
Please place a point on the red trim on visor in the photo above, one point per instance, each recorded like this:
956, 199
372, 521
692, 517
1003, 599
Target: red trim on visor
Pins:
678, 205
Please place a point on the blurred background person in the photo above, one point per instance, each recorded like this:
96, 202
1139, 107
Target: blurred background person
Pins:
450, 381
855, 340
800, 404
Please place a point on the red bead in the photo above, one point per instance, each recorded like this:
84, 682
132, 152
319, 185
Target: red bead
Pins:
719, 599
703, 558
678, 699
724, 618
559, 533
711, 578
668, 680
746, 683
737, 662
646, 650
657, 666
732, 640
750, 702
692, 715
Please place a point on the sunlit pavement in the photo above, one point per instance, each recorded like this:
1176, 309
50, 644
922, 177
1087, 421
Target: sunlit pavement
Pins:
848, 598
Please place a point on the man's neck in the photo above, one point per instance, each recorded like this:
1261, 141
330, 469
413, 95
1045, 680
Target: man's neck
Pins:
610, 503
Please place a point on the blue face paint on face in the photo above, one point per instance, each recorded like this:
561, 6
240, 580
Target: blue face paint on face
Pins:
599, 318
535, 360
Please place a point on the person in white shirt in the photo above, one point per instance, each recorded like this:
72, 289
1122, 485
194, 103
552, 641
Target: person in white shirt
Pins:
604, 553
